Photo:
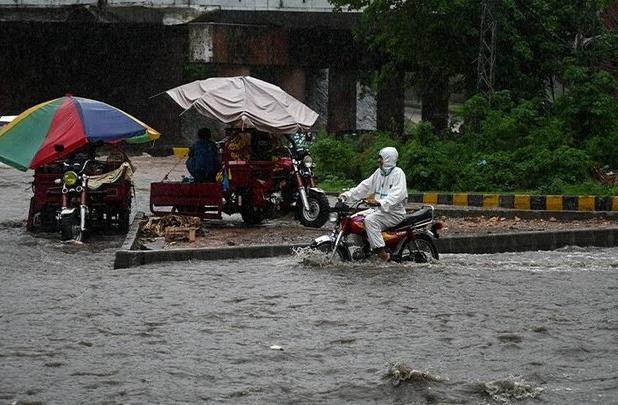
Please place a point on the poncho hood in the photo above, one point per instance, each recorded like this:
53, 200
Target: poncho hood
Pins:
389, 158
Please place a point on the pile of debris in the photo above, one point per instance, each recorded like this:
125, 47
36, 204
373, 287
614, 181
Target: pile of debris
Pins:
173, 227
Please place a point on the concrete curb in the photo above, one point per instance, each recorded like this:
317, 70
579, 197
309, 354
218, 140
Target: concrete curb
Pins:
131, 258
528, 241
128, 256
130, 243
555, 204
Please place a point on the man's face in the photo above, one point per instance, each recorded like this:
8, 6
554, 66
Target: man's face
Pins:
381, 161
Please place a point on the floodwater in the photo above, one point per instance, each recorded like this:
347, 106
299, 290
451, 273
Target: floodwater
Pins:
521, 328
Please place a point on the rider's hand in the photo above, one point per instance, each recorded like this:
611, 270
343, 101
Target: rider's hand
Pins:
371, 200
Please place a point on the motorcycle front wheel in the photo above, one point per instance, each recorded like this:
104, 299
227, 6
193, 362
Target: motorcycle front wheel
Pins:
318, 211
423, 251
70, 228
340, 255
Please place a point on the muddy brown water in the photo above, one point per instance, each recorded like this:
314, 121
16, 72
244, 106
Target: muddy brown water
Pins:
525, 328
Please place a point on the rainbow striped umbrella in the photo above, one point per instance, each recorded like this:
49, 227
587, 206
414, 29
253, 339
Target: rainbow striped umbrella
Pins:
56, 128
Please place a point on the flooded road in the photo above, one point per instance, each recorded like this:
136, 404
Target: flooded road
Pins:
537, 327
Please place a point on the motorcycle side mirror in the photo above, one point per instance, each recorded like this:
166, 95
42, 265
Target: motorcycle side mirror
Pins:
59, 147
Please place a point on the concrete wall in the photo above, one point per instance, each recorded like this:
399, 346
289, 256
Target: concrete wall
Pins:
304, 5
123, 65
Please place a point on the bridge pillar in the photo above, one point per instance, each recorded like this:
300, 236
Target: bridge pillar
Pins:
390, 105
341, 100
294, 82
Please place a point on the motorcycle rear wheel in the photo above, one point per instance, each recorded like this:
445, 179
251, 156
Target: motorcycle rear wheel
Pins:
425, 253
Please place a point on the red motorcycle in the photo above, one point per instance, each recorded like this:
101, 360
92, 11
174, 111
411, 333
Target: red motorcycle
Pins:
63, 200
411, 240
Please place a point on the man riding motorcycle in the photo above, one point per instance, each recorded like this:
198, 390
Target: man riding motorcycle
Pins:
386, 189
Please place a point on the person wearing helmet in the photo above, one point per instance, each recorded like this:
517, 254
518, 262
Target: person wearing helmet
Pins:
386, 189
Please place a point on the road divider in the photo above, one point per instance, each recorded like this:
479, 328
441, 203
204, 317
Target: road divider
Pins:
131, 255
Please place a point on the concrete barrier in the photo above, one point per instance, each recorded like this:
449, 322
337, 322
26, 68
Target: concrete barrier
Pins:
519, 201
525, 241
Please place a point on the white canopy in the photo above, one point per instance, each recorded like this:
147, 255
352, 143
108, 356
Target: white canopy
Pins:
246, 102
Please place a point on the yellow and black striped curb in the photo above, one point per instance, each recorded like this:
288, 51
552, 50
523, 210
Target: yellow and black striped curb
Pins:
519, 201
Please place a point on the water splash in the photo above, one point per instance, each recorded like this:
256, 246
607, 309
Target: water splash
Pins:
510, 388
399, 372
315, 258
12, 224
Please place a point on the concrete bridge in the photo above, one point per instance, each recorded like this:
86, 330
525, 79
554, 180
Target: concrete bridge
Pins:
123, 52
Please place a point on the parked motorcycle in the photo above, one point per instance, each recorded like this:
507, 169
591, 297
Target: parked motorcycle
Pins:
83, 209
411, 240
312, 205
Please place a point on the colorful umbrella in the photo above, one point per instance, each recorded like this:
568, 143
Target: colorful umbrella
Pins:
56, 128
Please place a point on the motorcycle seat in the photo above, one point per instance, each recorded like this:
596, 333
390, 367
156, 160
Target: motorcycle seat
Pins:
422, 215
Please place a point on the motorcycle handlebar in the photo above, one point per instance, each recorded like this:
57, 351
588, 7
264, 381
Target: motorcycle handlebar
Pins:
79, 166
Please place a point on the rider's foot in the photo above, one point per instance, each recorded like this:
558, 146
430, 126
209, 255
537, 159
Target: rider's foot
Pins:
383, 254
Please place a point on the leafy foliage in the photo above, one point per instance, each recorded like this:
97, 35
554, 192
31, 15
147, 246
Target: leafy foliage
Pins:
554, 114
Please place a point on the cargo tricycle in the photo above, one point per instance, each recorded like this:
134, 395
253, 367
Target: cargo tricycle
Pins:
80, 196
262, 176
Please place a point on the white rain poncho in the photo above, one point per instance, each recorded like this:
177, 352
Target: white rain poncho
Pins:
388, 184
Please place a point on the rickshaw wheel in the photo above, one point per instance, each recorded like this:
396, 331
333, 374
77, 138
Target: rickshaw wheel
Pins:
251, 215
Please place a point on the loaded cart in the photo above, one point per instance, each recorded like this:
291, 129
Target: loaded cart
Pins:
266, 169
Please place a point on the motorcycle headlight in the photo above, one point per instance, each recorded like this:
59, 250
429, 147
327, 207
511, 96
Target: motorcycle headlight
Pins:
333, 216
70, 178
308, 162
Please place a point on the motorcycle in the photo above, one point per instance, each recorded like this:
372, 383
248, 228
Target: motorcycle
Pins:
312, 206
264, 188
82, 209
411, 240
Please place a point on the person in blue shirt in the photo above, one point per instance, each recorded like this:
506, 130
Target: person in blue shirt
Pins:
203, 162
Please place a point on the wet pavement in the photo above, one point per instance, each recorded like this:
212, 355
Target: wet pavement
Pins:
525, 328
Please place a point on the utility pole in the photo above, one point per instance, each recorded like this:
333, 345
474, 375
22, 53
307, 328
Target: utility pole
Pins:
487, 49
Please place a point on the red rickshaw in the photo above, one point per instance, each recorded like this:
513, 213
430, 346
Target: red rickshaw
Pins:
254, 184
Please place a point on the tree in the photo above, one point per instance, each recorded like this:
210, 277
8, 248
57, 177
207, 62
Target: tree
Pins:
433, 40
437, 41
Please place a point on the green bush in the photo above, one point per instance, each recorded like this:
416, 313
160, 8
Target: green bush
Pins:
541, 166
334, 157
490, 172
603, 150
507, 145
590, 107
